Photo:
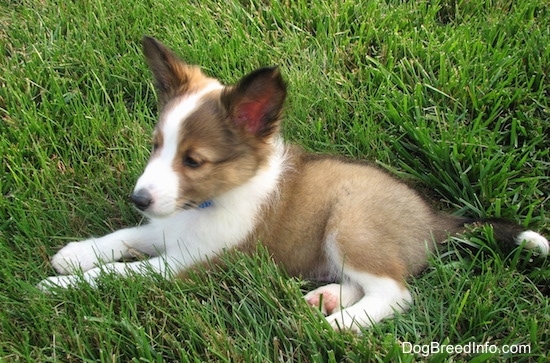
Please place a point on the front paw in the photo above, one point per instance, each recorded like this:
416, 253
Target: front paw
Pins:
75, 256
53, 282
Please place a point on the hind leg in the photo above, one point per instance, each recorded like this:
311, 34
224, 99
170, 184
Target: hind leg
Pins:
377, 270
333, 297
382, 297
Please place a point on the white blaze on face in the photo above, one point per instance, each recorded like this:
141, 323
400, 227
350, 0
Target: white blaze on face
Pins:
160, 179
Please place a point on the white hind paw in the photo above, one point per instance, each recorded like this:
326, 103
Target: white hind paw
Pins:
333, 297
326, 298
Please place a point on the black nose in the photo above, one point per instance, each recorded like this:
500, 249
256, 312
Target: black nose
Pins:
141, 199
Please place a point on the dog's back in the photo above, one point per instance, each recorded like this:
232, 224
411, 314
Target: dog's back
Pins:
332, 212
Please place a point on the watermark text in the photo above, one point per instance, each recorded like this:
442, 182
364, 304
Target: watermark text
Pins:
467, 349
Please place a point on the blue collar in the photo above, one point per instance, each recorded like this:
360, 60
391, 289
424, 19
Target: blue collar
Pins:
205, 204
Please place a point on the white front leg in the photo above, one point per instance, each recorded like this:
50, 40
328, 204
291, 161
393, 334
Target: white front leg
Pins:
125, 243
162, 265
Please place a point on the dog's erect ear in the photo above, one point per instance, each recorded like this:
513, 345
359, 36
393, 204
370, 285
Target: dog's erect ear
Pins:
171, 74
255, 103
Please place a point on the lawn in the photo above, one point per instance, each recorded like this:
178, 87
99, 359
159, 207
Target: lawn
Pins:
451, 95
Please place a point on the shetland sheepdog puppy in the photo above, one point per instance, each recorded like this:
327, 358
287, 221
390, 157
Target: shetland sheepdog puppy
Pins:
220, 178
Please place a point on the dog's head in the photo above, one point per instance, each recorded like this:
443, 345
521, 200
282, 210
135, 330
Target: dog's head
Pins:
209, 138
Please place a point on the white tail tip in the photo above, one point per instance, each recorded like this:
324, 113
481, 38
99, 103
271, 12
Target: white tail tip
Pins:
533, 240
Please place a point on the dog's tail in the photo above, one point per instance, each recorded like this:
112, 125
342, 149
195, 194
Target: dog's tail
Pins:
507, 234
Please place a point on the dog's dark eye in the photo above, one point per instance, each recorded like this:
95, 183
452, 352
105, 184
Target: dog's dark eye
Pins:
155, 146
191, 162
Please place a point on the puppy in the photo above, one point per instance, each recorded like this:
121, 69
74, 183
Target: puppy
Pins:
221, 178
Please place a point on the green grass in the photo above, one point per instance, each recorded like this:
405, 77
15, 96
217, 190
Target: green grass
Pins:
452, 95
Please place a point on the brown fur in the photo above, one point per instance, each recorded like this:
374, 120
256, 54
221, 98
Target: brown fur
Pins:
383, 226
224, 163
173, 77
